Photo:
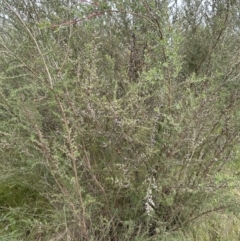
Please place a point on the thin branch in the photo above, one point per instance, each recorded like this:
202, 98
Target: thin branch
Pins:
35, 42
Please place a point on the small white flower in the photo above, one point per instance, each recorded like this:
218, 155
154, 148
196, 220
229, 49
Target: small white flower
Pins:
149, 204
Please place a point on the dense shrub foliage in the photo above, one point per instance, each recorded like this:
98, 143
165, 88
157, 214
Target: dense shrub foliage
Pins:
119, 120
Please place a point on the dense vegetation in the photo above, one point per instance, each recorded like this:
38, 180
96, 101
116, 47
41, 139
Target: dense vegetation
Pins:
119, 120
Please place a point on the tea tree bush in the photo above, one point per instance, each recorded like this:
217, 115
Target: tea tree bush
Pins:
119, 120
